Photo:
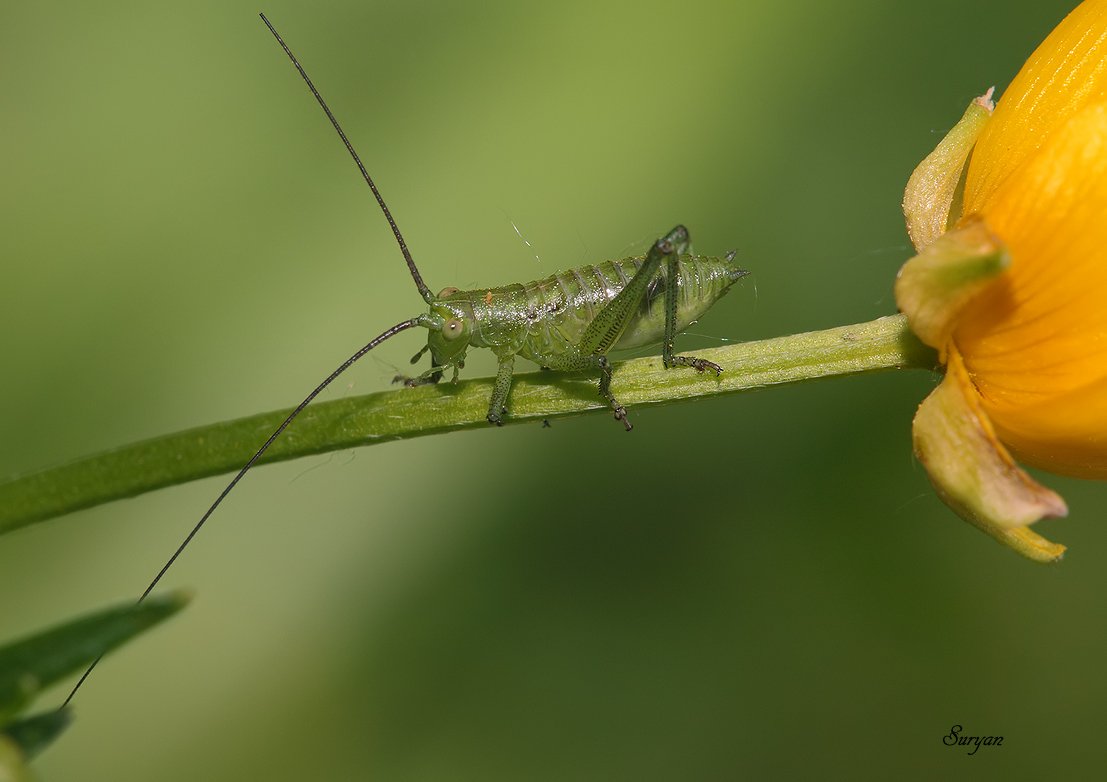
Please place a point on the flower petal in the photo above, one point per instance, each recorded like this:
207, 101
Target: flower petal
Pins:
1066, 435
1036, 340
1065, 73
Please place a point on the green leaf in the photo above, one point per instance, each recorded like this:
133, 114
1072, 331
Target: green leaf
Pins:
29, 665
33, 734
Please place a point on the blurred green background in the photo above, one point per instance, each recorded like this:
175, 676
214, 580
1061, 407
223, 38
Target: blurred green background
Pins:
761, 585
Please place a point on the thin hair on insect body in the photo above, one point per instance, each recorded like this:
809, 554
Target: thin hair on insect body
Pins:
524, 239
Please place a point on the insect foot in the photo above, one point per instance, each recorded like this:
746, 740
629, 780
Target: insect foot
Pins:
701, 364
406, 381
698, 364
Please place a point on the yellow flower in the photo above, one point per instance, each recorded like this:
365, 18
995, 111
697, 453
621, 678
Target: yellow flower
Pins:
1034, 342
1014, 295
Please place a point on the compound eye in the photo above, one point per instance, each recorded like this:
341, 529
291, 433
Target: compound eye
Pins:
452, 328
446, 293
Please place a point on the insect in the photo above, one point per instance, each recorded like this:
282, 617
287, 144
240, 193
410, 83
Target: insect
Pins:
568, 321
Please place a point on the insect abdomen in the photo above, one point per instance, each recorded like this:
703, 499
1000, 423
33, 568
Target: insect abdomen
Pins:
559, 308
701, 281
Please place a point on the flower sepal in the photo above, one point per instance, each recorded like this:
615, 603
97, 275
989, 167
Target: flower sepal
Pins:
935, 286
975, 475
932, 200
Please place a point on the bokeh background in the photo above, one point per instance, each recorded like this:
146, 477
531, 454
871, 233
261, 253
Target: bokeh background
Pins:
757, 586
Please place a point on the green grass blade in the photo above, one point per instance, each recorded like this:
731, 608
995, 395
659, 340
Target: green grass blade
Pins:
882, 344
31, 664
34, 734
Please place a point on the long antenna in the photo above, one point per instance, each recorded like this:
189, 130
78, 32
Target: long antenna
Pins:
407, 324
424, 291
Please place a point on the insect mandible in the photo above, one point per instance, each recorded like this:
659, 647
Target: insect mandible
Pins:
568, 321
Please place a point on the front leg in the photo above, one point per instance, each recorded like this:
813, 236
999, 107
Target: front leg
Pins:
430, 377
497, 406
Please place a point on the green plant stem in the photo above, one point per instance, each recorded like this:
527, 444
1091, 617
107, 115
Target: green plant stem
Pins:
885, 343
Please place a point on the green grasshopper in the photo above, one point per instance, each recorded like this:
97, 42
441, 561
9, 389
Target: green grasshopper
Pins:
568, 321
571, 320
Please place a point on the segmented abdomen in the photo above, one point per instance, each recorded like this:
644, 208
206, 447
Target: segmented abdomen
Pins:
559, 308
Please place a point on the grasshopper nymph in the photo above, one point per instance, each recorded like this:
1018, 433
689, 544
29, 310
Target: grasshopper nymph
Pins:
568, 321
